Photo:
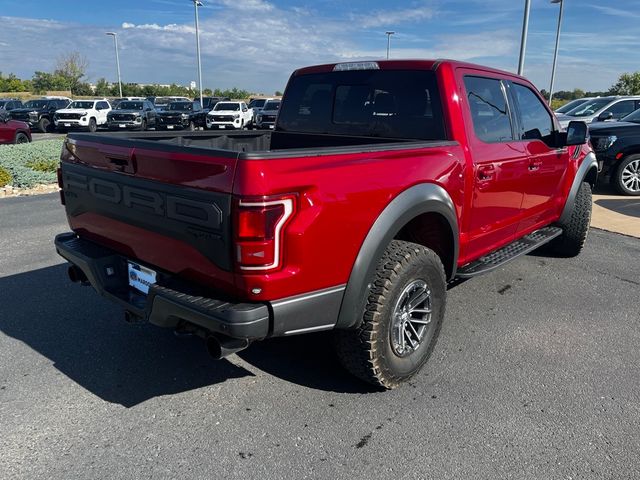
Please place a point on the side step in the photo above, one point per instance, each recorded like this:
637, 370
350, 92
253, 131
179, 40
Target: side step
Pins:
507, 253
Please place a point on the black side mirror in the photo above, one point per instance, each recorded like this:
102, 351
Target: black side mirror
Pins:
605, 116
576, 133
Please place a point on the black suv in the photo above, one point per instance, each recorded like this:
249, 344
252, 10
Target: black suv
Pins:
179, 115
209, 102
617, 147
39, 113
8, 104
132, 114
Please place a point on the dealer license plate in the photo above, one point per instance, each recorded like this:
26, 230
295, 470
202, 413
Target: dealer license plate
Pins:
170, 127
140, 277
122, 125
67, 124
223, 126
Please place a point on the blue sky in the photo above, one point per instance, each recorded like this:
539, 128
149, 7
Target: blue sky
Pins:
255, 44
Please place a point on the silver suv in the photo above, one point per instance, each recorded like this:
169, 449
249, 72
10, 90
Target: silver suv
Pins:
601, 109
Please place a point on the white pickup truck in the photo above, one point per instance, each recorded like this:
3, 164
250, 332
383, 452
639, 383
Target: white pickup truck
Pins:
230, 115
82, 114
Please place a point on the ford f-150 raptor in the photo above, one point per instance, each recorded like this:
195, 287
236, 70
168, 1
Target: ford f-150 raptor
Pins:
381, 182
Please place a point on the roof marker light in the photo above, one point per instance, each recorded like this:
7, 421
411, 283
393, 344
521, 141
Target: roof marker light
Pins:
342, 67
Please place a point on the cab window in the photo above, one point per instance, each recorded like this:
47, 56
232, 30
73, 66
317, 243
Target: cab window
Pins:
535, 120
489, 111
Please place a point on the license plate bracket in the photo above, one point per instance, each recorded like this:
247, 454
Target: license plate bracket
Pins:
140, 278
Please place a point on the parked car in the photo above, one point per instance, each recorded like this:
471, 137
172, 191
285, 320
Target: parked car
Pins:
266, 118
230, 115
160, 103
114, 103
209, 102
601, 109
571, 105
82, 115
13, 131
381, 182
256, 104
178, 115
136, 115
617, 146
8, 104
39, 113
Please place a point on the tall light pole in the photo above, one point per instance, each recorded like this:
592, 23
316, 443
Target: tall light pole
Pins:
555, 53
523, 40
388, 34
115, 39
196, 4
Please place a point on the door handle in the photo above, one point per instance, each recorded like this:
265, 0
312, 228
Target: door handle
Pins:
535, 165
486, 173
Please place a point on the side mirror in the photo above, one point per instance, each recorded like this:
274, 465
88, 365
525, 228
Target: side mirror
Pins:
576, 133
605, 116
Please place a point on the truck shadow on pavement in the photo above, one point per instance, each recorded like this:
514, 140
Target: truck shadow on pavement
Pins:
87, 340
629, 206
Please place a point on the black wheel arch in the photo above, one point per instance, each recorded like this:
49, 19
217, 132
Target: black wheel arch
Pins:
587, 172
425, 198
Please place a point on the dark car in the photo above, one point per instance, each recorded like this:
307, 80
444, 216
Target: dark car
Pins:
179, 115
160, 103
13, 131
209, 102
8, 104
617, 147
266, 118
39, 113
135, 115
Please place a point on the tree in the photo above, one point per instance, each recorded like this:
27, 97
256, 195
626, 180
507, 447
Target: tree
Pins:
43, 81
627, 84
278, 93
72, 67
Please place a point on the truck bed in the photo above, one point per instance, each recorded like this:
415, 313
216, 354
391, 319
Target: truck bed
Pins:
252, 145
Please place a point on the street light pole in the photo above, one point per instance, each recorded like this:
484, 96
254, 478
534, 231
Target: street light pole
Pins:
523, 40
115, 39
196, 4
388, 34
555, 53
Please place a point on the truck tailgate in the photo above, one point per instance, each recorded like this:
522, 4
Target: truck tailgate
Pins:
155, 204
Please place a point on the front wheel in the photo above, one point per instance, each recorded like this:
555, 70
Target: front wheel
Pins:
21, 138
93, 126
575, 230
43, 125
192, 126
143, 125
626, 178
402, 317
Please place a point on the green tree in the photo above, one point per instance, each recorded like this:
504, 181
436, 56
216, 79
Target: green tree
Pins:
278, 93
102, 88
72, 67
627, 84
43, 81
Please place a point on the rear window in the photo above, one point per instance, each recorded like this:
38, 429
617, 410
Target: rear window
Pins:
377, 103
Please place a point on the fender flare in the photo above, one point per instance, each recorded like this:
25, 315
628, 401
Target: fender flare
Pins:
589, 163
419, 199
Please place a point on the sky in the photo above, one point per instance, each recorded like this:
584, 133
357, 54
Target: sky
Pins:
256, 44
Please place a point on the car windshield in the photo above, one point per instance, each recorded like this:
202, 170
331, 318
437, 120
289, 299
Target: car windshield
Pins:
272, 106
589, 108
257, 103
36, 104
180, 106
129, 106
632, 117
82, 105
227, 106
571, 105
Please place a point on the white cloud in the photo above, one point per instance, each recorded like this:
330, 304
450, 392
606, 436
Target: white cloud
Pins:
394, 17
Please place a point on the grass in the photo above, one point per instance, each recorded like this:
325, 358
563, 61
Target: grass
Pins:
30, 164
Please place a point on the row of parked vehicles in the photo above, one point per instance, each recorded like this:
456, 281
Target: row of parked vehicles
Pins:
161, 113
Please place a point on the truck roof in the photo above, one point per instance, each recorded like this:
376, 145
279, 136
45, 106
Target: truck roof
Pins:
401, 64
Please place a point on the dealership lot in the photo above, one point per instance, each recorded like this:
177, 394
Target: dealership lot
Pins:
534, 376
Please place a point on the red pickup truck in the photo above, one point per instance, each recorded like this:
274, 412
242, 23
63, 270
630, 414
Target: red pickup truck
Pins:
382, 182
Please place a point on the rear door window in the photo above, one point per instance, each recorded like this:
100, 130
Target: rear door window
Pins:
489, 110
379, 103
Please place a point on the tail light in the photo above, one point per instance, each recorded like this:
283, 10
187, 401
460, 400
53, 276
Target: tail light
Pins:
61, 185
259, 231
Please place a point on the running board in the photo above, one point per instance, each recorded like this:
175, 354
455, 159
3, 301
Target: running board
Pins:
507, 253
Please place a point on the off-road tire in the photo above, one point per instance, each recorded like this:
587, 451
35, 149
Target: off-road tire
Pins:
616, 178
367, 351
576, 229
44, 124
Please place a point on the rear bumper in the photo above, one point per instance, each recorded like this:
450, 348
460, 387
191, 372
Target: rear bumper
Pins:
164, 306
170, 305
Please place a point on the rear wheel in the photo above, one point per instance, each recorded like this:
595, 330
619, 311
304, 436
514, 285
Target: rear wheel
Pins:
575, 230
43, 125
626, 178
402, 317
21, 138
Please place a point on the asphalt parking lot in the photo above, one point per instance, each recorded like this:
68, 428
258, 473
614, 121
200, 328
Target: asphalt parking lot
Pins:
535, 376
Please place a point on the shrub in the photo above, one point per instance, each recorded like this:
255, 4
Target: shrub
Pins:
30, 164
5, 177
